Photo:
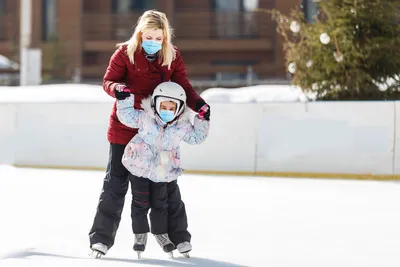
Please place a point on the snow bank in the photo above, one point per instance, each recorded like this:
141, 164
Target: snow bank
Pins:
255, 94
95, 93
6, 63
54, 93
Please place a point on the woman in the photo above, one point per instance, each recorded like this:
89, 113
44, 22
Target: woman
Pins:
147, 59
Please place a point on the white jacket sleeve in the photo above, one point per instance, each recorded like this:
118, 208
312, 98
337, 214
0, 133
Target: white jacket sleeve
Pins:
198, 132
127, 114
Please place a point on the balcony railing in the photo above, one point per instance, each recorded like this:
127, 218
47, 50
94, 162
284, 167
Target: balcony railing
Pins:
187, 25
199, 70
223, 25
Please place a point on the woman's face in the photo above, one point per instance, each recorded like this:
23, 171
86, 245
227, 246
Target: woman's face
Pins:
153, 35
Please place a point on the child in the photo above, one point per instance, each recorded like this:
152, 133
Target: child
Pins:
153, 157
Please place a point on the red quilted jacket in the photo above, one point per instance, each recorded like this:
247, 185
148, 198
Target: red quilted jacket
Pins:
142, 78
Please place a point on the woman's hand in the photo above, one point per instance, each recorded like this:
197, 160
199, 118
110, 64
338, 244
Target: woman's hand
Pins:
121, 92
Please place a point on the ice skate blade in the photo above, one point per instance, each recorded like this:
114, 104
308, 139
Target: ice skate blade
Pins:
96, 254
171, 254
139, 255
186, 254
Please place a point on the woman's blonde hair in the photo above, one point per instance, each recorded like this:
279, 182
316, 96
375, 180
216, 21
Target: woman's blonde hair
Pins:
150, 20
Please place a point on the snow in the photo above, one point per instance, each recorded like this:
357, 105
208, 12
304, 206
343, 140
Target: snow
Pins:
234, 221
54, 93
255, 94
95, 93
6, 63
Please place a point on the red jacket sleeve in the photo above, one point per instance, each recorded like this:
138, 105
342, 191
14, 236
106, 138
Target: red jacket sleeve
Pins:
180, 77
115, 72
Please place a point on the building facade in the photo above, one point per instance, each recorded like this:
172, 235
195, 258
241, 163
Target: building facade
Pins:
218, 39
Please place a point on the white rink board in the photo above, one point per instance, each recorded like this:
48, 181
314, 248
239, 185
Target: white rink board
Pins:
63, 134
231, 144
319, 137
8, 121
396, 166
327, 137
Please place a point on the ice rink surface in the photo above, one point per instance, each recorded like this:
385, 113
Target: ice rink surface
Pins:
234, 221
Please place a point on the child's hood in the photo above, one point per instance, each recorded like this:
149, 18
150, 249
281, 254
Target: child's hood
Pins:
146, 106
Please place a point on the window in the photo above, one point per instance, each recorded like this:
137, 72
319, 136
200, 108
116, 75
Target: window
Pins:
235, 18
121, 6
2, 7
250, 25
143, 5
49, 20
310, 10
128, 12
227, 5
126, 6
234, 5
250, 5
227, 19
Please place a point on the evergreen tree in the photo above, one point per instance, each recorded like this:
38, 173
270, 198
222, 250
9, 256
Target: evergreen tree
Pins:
350, 52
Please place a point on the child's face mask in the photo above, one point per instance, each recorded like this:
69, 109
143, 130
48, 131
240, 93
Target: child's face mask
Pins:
167, 115
167, 111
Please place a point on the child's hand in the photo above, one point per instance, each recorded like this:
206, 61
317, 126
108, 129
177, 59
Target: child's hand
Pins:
203, 109
121, 91
204, 112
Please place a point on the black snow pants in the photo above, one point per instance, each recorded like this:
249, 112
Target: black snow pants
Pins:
145, 195
112, 198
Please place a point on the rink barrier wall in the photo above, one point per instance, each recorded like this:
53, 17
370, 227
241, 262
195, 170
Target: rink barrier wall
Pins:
8, 121
347, 140
396, 158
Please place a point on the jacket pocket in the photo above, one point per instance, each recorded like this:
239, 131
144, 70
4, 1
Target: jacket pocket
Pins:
138, 159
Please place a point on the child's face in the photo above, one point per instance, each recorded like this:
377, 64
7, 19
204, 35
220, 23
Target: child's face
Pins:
168, 105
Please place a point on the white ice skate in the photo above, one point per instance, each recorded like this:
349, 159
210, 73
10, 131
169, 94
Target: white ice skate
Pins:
184, 248
165, 243
98, 250
140, 244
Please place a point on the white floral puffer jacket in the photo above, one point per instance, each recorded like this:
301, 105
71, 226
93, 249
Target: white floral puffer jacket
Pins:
154, 151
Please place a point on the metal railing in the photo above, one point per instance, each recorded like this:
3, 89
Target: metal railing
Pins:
187, 25
199, 70
223, 25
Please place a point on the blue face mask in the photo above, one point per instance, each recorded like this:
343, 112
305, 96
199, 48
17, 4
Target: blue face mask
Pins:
167, 115
151, 47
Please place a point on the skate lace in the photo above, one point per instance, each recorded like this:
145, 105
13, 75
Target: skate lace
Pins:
140, 239
163, 239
